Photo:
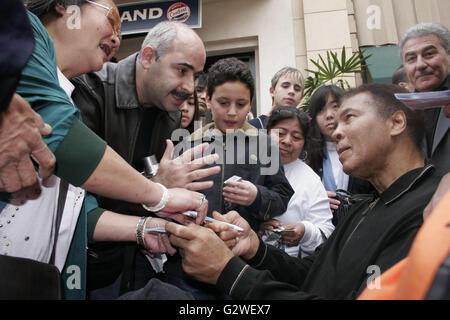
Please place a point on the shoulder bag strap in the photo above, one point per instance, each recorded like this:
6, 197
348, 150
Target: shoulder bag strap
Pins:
63, 188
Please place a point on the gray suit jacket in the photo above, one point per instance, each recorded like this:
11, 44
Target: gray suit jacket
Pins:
438, 150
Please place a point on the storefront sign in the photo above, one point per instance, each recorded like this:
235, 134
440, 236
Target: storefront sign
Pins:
140, 17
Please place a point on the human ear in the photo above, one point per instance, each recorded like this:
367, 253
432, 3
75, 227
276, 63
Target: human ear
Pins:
271, 90
398, 123
148, 54
59, 8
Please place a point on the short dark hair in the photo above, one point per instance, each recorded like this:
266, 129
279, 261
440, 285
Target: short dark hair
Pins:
196, 117
286, 113
400, 76
202, 82
383, 94
230, 70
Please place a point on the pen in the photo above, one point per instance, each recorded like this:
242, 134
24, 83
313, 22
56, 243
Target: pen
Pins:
193, 214
232, 226
156, 230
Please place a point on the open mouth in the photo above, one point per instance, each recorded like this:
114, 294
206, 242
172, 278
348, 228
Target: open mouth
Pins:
106, 49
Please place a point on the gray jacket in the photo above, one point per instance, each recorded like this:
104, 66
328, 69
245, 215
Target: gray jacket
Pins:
438, 136
109, 106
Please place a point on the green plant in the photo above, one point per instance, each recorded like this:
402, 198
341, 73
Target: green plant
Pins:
333, 70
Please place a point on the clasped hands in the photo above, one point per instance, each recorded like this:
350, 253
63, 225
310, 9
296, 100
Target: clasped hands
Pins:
206, 250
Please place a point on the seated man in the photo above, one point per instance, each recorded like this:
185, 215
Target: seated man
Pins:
378, 139
425, 272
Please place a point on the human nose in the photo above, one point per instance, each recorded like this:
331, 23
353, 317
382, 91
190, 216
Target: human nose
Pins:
188, 84
420, 63
115, 39
291, 90
330, 113
338, 133
115, 44
232, 110
286, 140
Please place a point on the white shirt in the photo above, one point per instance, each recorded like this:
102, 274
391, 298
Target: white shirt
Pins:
27, 230
309, 205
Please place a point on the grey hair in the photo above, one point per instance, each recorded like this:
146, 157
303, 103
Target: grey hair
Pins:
161, 37
424, 29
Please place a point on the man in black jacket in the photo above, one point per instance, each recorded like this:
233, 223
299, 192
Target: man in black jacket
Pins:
133, 106
378, 139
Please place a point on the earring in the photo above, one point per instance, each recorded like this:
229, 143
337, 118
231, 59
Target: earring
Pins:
305, 155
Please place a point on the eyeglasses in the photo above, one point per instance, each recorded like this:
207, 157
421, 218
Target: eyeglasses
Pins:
116, 28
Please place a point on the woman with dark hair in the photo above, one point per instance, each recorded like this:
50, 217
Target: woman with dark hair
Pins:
72, 38
189, 112
85, 33
307, 220
322, 154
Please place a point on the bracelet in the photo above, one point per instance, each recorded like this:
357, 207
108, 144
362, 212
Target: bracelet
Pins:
140, 232
162, 203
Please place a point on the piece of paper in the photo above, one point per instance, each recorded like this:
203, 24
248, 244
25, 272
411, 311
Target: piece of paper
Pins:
424, 100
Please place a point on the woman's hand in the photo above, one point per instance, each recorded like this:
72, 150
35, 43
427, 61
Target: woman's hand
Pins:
157, 242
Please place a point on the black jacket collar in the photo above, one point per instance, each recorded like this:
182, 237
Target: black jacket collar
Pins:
403, 184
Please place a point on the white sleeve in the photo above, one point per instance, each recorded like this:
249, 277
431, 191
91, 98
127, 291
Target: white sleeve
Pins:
317, 220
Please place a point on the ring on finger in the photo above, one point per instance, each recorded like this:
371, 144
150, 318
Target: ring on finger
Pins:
202, 199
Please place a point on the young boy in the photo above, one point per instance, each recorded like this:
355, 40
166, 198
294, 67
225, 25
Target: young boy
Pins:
263, 191
286, 89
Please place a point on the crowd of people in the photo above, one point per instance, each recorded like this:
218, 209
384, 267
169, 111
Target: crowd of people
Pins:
78, 206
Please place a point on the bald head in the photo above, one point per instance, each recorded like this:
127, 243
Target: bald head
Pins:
162, 36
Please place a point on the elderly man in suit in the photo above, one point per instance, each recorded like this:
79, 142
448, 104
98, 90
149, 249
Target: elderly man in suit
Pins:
425, 51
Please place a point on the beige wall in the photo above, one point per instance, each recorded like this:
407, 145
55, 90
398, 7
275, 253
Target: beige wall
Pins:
327, 26
396, 16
